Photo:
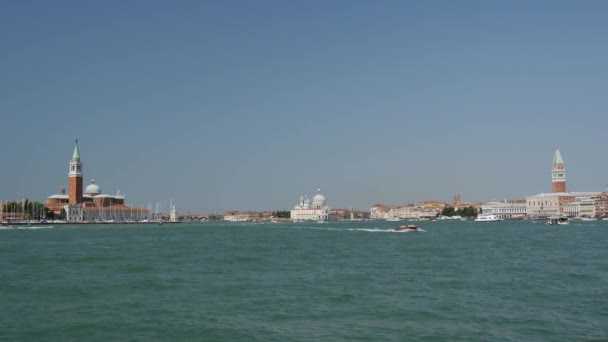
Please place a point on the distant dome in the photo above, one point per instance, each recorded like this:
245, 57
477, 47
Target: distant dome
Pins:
319, 200
92, 189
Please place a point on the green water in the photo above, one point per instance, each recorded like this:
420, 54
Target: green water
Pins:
343, 281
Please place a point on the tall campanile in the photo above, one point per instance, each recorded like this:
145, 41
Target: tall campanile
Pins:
75, 177
558, 173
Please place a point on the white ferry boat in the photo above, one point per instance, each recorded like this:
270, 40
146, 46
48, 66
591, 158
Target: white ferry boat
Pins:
487, 218
562, 220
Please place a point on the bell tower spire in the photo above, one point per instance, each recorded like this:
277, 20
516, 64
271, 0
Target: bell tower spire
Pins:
75, 176
558, 173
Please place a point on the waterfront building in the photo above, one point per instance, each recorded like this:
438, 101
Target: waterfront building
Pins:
437, 206
601, 205
238, 216
585, 206
350, 214
92, 205
556, 202
560, 203
506, 210
422, 210
56, 202
315, 211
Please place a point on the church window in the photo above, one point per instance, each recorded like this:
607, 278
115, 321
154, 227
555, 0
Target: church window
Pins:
73, 168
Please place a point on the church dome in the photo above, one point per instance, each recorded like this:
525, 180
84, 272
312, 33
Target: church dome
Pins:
319, 200
92, 189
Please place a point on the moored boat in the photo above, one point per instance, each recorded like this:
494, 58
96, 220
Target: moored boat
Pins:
588, 219
487, 218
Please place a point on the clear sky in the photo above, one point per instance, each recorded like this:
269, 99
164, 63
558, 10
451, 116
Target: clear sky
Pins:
249, 104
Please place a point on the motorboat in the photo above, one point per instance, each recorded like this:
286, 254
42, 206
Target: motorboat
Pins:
406, 228
561, 220
487, 218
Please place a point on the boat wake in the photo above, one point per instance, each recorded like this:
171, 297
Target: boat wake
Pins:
419, 230
33, 227
368, 230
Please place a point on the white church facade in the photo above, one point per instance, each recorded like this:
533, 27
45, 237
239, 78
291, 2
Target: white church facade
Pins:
318, 210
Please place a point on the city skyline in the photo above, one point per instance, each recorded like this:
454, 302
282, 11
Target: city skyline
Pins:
247, 106
156, 204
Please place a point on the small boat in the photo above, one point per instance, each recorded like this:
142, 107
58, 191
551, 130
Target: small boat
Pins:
393, 219
406, 228
487, 218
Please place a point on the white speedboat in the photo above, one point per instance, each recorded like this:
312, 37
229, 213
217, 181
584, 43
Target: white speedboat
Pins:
487, 218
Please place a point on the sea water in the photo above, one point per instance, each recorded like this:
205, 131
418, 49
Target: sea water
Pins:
342, 281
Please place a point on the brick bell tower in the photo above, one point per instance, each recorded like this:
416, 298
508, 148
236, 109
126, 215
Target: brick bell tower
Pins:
558, 173
75, 177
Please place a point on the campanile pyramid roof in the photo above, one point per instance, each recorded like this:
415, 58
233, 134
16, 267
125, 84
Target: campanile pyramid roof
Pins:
76, 154
557, 159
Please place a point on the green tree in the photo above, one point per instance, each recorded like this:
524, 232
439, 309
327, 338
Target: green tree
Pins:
448, 211
282, 214
469, 211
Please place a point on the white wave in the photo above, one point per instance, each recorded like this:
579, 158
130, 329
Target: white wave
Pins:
369, 230
410, 231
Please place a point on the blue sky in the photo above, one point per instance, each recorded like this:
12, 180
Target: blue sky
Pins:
248, 104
